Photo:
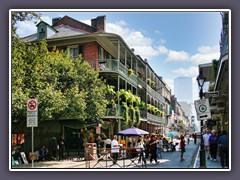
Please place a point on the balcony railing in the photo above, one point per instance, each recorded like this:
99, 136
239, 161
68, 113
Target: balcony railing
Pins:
156, 119
141, 82
116, 66
143, 114
155, 94
113, 112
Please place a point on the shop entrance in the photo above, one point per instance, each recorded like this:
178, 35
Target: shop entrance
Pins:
74, 141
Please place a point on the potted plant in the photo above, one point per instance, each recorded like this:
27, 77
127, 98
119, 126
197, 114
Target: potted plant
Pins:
130, 72
149, 81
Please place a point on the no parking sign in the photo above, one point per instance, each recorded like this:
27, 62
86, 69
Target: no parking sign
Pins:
32, 113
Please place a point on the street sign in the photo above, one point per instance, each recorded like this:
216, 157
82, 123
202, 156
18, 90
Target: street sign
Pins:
32, 105
203, 109
32, 119
211, 94
32, 113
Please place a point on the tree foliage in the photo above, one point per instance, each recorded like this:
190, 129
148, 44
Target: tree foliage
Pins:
65, 88
22, 16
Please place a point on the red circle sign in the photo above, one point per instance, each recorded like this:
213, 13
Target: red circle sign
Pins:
32, 105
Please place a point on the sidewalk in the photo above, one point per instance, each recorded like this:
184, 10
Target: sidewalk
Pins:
171, 160
210, 164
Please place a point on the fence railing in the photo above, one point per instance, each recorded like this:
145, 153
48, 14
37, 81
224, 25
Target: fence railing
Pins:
117, 66
105, 158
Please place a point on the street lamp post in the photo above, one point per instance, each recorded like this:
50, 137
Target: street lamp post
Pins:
201, 81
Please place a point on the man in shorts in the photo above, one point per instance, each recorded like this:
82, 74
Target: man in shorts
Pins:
206, 142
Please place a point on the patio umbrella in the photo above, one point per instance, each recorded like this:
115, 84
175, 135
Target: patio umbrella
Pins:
132, 132
173, 133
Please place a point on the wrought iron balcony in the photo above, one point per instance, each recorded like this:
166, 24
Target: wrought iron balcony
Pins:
114, 65
156, 119
155, 94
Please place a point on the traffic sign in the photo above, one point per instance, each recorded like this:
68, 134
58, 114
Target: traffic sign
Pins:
32, 119
211, 94
203, 109
32, 113
32, 105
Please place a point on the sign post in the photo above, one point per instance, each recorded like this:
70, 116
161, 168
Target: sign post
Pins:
211, 94
32, 120
203, 109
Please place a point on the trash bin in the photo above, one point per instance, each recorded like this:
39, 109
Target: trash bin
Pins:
90, 152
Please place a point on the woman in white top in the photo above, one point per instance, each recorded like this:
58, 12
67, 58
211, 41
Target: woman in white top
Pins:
140, 149
114, 149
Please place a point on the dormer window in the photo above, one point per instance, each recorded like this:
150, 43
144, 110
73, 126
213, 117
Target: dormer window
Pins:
44, 30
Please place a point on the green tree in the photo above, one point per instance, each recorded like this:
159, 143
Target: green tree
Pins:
65, 88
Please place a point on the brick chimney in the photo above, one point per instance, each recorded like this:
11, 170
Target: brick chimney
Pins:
99, 23
55, 20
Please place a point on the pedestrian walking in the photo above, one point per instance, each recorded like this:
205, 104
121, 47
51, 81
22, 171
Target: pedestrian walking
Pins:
114, 149
223, 143
53, 148
159, 148
188, 138
182, 147
213, 145
61, 145
147, 140
153, 149
195, 138
206, 142
140, 149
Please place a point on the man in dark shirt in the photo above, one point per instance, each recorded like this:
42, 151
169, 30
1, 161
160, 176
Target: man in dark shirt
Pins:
153, 149
223, 143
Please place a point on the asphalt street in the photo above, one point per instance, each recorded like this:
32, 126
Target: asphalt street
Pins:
170, 160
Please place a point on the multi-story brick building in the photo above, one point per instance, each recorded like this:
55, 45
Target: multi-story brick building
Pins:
117, 63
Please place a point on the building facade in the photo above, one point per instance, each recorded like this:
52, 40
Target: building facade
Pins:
121, 68
217, 74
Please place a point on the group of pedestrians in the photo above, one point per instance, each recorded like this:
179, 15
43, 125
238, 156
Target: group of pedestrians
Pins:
148, 147
217, 144
54, 151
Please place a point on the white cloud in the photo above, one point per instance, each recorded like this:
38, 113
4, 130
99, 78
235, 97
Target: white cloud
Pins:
205, 54
25, 28
177, 56
163, 50
189, 72
135, 39
47, 19
170, 83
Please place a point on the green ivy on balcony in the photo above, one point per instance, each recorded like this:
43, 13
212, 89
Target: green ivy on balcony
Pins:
130, 104
155, 111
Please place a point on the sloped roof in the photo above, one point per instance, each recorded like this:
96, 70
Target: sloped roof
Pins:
66, 20
62, 31
65, 30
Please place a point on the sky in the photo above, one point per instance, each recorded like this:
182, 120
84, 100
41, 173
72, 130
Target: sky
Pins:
173, 41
